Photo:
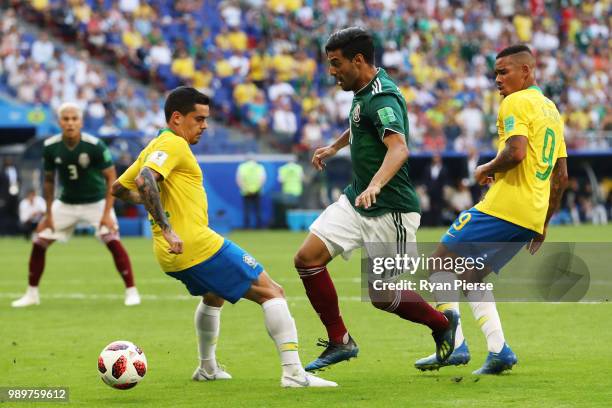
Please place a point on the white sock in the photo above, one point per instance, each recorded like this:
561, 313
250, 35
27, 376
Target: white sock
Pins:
32, 290
442, 306
281, 327
485, 313
207, 321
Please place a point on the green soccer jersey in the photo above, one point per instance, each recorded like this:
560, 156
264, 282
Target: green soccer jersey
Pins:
376, 108
79, 169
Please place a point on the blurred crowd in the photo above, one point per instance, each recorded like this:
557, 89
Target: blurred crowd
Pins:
264, 65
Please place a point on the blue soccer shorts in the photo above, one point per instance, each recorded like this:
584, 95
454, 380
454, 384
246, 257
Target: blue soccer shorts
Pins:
476, 234
229, 273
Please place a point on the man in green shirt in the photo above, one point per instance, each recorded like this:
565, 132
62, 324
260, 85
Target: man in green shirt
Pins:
86, 173
291, 179
251, 177
380, 205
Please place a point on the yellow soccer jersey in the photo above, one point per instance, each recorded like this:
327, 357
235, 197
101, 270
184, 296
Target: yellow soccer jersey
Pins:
521, 194
182, 197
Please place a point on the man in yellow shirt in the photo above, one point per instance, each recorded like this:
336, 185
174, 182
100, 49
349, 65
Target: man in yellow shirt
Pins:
528, 176
167, 179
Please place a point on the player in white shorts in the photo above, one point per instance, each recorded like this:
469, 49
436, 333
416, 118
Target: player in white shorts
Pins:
86, 172
379, 207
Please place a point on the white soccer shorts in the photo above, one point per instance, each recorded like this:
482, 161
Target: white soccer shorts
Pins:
67, 216
342, 229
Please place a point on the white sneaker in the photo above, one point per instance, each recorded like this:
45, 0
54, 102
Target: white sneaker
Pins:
30, 298
305, 380
220, 374
131, 296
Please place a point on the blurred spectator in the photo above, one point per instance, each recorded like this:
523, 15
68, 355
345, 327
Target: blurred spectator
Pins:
459, 198
257, 113
31, 210
251, 177
109, 128
284, 124
312, 133
290, 177
435, 177
43, 49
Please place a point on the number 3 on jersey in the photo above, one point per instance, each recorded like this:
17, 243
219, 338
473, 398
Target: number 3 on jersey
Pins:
72, 168
547, 156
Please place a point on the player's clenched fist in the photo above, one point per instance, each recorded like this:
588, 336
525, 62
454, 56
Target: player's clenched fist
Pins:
481, 174
176, 244
321, 154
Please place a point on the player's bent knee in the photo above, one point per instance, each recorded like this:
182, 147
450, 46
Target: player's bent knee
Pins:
213, 300
42, 242
106, 238
382, 305
381, 299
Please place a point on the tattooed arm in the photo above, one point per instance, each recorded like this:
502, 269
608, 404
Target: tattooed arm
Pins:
514, 152
149, 194
558, 184
126, 194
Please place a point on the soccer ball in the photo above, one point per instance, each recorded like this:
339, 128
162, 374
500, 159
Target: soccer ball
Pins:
122, 365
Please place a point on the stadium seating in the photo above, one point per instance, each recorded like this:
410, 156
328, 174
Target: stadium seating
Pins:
440, 56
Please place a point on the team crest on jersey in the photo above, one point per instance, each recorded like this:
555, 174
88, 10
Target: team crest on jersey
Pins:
356, 113
84, 160
249, 260
58, 160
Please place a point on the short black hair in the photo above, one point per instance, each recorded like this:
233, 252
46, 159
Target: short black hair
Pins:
352, 41
513, 49
183, 100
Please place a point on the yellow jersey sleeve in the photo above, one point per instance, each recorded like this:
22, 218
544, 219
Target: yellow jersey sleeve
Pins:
562, 149
168, 154
514, 117
127, 179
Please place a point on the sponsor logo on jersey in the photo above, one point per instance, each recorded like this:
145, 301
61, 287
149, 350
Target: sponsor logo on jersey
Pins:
249, 260
356, 113
158, 157
84, 160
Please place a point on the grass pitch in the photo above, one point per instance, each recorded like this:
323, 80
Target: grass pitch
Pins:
563, 349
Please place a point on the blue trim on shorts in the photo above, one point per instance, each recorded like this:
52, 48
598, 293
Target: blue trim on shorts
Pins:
476, 234
229, 273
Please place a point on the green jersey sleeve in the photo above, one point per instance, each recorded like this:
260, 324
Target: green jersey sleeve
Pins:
105, 158
386, 114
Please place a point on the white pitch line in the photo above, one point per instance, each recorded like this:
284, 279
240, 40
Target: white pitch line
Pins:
163, 280
114, 296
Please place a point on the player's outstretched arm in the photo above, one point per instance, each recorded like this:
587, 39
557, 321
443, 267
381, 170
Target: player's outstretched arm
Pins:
110, 176
123, 193
558, 184
326, 152
147, 187
396, 156
514, 152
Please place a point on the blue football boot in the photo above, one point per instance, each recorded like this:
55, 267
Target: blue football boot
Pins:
333, 353
460, 356
496, 363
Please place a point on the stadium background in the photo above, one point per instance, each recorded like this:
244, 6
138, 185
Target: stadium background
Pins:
262, 63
